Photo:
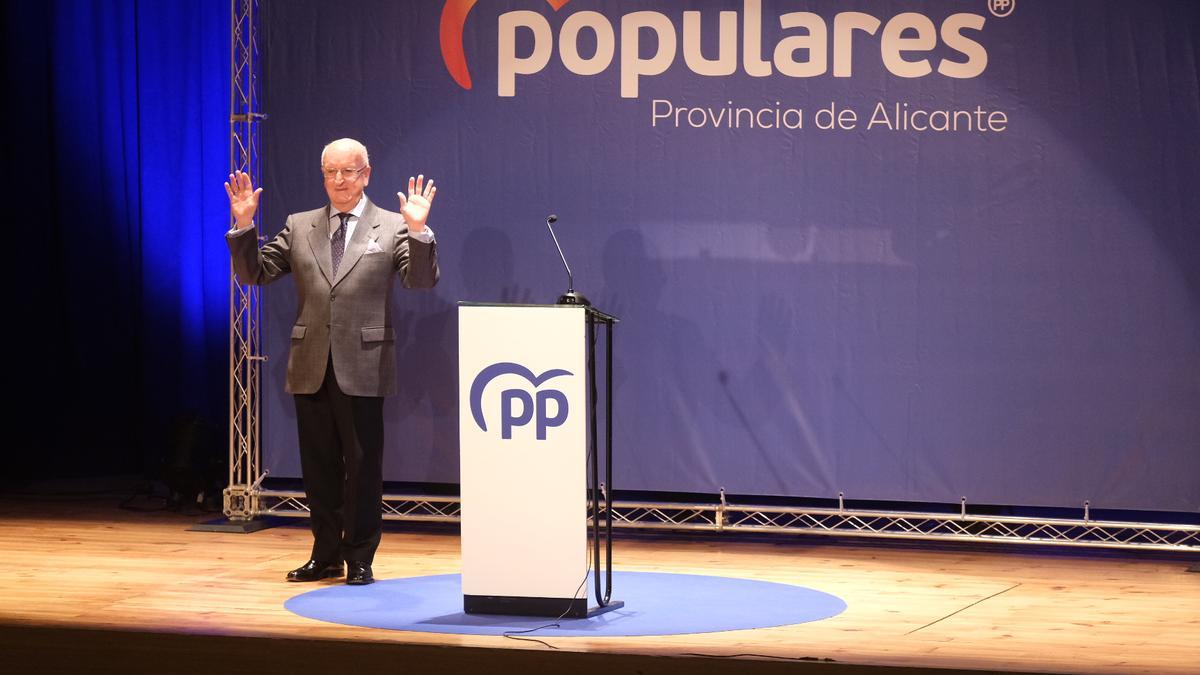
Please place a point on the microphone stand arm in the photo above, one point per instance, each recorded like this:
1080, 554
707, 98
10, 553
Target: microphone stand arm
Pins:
570, 297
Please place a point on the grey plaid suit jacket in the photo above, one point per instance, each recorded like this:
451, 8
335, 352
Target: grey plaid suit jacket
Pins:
349, 315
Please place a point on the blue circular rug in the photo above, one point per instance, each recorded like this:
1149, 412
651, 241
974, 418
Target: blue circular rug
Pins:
655, 604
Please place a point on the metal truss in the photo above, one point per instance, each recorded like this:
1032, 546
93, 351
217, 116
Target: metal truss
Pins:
841, 522
245, 311
964, 527
414, 508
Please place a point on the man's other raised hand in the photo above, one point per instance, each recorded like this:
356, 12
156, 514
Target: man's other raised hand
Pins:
243, 199
415, 206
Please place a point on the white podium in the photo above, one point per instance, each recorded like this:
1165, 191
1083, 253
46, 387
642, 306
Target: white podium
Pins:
526, 422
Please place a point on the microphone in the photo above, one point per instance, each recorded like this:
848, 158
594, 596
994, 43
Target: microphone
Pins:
571, 297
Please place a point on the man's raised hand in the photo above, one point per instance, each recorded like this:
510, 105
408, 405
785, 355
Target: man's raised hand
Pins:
415, 207
243, 199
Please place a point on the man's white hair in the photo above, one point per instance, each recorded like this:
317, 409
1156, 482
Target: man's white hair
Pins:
348, 144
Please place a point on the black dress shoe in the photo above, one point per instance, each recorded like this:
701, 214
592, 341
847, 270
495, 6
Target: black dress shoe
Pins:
314, 570
359, 574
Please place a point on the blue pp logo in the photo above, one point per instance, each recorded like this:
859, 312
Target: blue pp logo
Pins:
517, 406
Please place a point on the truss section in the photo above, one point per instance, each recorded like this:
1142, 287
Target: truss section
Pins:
245, 308
724, 517
413, 508
963, 527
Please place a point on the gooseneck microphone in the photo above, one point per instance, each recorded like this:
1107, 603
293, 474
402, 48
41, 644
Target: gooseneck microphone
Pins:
571, 297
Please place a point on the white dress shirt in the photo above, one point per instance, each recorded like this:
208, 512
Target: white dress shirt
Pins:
424, 236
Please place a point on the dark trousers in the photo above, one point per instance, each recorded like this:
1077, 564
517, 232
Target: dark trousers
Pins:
341, 458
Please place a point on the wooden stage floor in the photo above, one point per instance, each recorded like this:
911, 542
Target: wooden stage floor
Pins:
88, 587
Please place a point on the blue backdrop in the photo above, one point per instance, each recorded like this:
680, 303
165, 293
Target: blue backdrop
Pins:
1010, 314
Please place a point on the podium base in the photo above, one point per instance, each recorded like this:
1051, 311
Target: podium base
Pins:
571, 608
598, 610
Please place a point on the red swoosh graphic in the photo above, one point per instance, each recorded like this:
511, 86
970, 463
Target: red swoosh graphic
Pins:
450, 31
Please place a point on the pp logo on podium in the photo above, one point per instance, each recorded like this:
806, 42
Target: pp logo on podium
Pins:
518, 407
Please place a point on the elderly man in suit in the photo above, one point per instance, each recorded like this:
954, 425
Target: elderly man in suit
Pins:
344, 257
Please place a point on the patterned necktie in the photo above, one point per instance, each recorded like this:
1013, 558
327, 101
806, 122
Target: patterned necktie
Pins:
337, 245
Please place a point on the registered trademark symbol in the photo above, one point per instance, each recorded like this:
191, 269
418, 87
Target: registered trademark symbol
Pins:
1001, 8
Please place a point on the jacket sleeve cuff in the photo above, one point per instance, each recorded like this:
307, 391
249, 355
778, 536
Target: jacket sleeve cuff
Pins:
425, 236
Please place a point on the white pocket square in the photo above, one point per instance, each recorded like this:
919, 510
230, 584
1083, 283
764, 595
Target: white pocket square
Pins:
373, 247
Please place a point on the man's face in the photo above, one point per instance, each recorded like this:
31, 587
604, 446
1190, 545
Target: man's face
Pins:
345, 187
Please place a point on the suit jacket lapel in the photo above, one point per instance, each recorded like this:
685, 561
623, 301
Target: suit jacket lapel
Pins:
318, 239
358, 243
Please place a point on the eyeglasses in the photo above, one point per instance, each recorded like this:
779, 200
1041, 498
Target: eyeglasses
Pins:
331, 173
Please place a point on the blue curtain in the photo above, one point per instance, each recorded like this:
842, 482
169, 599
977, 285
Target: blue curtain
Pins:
116, 148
